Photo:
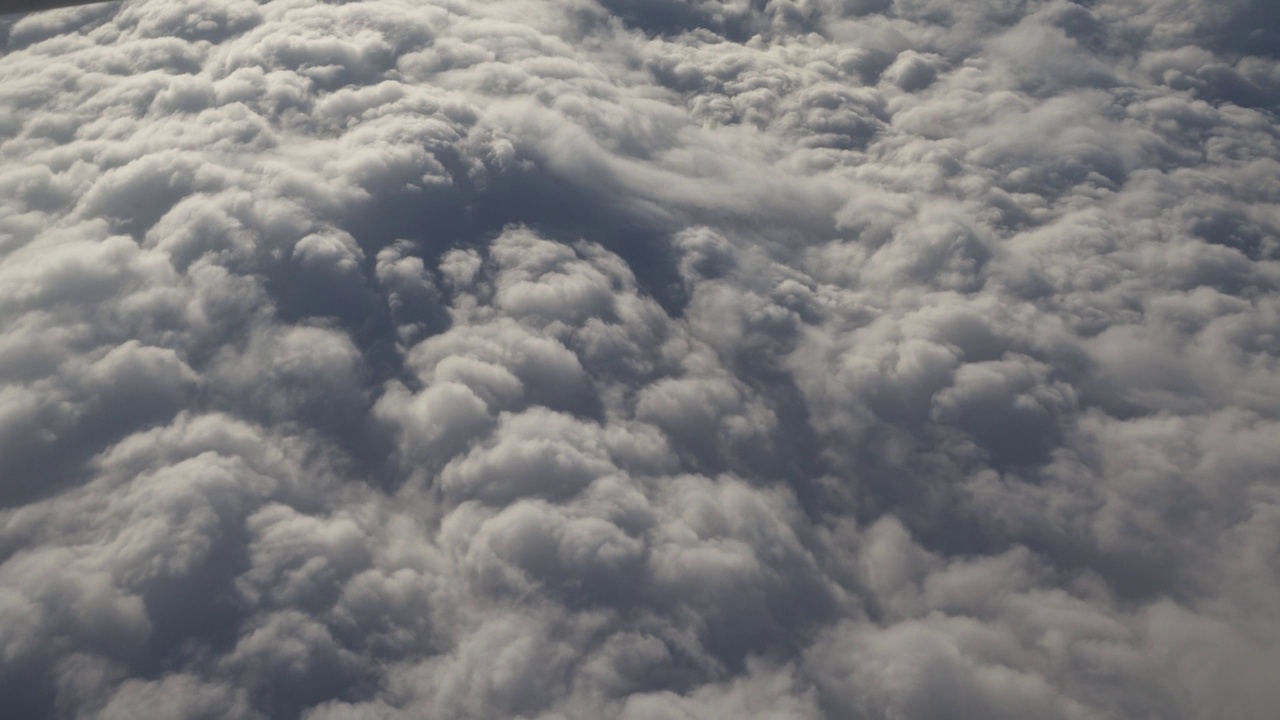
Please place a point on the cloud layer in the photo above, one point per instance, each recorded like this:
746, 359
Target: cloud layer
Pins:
688, 359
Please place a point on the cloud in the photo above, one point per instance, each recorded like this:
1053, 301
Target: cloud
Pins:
590, 359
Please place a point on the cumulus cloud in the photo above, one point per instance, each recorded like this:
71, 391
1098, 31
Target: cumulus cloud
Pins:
596, 358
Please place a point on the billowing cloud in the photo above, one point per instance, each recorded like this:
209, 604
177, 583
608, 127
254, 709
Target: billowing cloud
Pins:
595, 358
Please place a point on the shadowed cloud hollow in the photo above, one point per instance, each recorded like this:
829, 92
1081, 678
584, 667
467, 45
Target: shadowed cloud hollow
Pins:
581, 359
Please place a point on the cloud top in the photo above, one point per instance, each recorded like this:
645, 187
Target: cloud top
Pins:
799, 359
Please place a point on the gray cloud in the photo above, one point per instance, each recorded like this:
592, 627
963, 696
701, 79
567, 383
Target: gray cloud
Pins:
804, 359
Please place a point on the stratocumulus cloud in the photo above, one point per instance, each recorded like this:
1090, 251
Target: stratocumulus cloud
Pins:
682, 359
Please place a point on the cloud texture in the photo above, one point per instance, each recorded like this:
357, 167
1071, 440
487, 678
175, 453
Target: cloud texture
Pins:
686, 359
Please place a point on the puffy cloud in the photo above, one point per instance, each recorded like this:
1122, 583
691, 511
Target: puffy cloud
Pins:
796, 359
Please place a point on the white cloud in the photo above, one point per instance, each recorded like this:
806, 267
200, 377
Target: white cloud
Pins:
588, 359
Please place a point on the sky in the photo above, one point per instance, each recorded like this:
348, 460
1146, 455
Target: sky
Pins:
576, 359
